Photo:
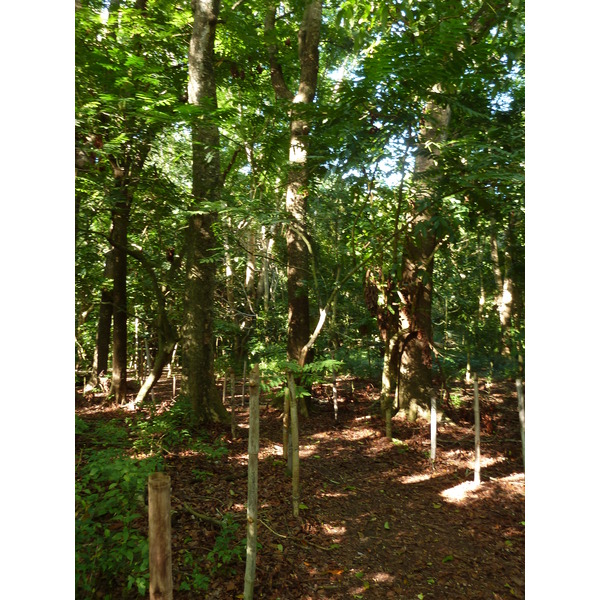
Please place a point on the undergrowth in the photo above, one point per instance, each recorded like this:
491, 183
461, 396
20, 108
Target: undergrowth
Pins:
114, 461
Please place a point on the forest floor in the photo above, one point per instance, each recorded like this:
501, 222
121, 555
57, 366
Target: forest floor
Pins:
377, 520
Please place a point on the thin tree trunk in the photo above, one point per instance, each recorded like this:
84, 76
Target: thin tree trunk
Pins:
232, 402
389, 380
504, 288
243, 383
101, 353
149, 378
136, 362
476, 415
163, 356
334, 344
252, 507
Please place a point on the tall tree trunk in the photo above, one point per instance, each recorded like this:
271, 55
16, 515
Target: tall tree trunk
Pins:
415, 385
298, 266
119, 239
198, 337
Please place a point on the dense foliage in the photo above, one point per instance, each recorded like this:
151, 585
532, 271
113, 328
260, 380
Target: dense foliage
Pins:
384, 71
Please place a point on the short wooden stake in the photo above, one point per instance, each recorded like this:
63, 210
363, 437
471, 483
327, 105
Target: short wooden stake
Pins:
433, 419
159, 536
286, 428
295, 446
477, 430
521, 405
252, 507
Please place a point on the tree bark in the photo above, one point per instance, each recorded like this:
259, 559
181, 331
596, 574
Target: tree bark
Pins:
298, 267
415, 384
100, 366
119, 239
504, 288
198, 338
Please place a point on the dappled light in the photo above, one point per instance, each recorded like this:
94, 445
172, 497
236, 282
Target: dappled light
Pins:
299, 300
375, 516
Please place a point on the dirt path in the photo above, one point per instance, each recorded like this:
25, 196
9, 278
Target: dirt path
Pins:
377, 521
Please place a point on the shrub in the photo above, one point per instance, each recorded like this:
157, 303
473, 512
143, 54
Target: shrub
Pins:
109, 498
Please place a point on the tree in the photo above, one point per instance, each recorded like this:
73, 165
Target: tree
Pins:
127, 89
297, 234
197, 334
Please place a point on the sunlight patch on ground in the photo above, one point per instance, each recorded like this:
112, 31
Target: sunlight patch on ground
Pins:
336, 532
515, 479
415, 478
459, 492
308, 450
270, 450
383, 578
330, 494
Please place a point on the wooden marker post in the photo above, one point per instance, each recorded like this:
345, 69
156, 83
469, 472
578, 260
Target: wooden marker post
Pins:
433, 419
295, 446
252, 507
521, 405
476, 414
159, 536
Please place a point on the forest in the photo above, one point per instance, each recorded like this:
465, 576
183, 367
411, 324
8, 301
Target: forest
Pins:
300, 295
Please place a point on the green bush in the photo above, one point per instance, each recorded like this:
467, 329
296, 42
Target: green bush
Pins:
170, 431
226, 550
109, 498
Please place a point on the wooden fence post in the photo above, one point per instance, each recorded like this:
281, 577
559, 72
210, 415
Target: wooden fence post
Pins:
252, 507
521, 405
476, 414
159, 536
295, 446
433, 419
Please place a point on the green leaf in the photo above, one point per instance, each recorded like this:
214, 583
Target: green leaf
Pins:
302, 506
437, 505
448, 558
386, 525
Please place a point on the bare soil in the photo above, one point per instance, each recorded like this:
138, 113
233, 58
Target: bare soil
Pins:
377, 520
